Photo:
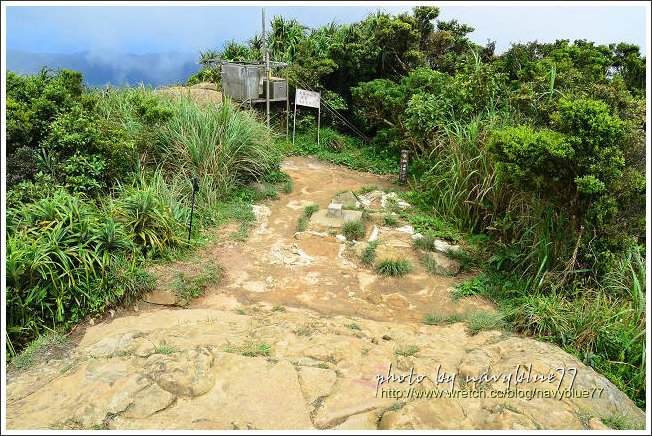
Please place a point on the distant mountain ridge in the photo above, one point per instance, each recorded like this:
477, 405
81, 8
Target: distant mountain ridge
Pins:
111, 68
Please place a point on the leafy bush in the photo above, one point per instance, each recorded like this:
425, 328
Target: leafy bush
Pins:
331, 139
66, 260
147, 218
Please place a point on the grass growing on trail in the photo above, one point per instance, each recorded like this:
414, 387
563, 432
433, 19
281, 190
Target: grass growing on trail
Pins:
310, 209
390, 221
304, 220
430, 264
39, 350
475, 321
443, 319
407, 351
394, 267
302, 223
187, 288
164, 349
368, 189
426, 243
250, 349
279, 309
354, 230
478, 321
369, 253
622, 422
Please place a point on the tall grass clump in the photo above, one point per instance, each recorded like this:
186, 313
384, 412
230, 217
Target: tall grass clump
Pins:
221, 145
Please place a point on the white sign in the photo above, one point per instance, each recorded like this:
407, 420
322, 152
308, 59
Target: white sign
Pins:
307, 98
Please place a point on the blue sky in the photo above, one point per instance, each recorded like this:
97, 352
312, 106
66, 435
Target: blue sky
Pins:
150, 29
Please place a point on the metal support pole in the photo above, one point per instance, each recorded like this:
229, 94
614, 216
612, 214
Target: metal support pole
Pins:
318, 121
267, 71
294, 124
287, 104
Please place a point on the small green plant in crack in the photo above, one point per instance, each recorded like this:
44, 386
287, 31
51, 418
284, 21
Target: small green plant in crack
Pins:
302, 223
369, 253
410, 350
164, 349
394, 267
353, 326
390, 221
250, 349
305, 330
354, 230
310, 209
365, 351
622, 422
240, 311
443, 319
368, 189
67, 367
278, 309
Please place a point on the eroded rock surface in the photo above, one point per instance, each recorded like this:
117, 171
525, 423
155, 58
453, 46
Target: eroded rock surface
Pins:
320, 377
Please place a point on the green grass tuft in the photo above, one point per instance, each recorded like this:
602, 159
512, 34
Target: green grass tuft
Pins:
310, 209
410, 350
394, 267
443, 319
354, 230
250, 349
302, 223
369, 253
44, 347
390, 221
478, 321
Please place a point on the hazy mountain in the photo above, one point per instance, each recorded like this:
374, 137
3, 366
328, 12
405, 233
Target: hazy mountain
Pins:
101, 68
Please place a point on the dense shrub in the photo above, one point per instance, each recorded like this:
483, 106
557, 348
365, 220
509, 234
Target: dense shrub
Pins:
66, 259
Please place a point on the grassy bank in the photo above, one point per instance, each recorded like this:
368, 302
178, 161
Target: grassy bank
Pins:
110, 192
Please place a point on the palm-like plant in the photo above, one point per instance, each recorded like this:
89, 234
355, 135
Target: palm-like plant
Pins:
207, 57
284, 38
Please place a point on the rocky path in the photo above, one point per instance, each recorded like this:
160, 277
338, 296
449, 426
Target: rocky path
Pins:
300, 335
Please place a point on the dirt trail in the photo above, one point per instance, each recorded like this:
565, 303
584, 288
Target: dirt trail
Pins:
329, 283
295, 338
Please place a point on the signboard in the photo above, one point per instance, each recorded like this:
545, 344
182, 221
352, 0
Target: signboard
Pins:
307, 98
303, 97
403, 167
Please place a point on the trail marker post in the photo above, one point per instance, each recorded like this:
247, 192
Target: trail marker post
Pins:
403, 166
303, 97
